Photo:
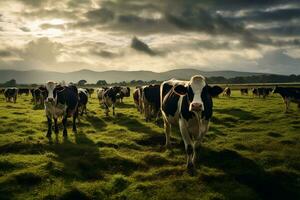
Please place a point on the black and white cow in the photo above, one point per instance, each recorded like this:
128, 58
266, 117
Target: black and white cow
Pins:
100, 92
83, 96
151, 101
244, 91
61, 101
189, 105
219, 90
39, 95
125, 92
90, 91
227, 92
24, 91
288, 95
11, 94
110, 97
138, 98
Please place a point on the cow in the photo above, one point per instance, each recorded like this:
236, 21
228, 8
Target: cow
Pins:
151, 101
189, 105
137, 98
90, 91
11, 94
110, 97
219, 90
125, 92
39, 95
61, 101
23, 91
244, 91
83, 96
227, 92
261, 92
2, 90
288, 95
100, 92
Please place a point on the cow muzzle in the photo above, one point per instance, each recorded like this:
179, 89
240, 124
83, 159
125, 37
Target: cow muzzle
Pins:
50, 100
196, 107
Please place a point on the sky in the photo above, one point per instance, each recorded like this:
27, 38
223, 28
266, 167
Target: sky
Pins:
154, 35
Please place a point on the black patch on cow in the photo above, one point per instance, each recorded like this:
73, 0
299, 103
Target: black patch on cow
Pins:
152, 95
170, 100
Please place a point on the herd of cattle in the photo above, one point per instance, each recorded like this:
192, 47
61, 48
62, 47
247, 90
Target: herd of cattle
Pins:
186, 104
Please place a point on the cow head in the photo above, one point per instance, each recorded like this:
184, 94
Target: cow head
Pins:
197, 92
50, 86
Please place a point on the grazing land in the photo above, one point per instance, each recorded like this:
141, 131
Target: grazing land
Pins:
252, 151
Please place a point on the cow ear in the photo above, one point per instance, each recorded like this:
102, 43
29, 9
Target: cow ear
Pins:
214, 91
180, 90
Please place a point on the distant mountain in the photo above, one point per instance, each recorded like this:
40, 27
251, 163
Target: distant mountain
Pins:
39, 76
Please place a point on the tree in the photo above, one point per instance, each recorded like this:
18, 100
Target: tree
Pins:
11, 83
81, 82
101, 82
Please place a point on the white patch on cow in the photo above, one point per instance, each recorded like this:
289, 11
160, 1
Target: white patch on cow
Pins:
197, 84
50, 86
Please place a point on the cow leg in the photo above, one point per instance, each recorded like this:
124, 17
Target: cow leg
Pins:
113, 107
64, 122
167, 134
55, 126
189, 146
74, 128
49, 132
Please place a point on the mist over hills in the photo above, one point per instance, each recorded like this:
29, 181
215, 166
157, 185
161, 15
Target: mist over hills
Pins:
39, 76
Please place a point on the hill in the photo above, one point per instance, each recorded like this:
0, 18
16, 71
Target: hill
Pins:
39, 76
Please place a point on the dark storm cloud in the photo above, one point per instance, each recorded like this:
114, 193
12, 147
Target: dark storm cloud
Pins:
280, 30
141, 46
271, 16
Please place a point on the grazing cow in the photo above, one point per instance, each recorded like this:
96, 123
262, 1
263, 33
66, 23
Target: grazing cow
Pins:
2, 90
39, 95
261, 92
227, 92
288, 95
110, 97
82, 101
100, 92
11, 94
151, 101
244, 91
189, 105
23, 91
61, 101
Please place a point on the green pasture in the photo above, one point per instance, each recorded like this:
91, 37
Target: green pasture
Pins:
252, 151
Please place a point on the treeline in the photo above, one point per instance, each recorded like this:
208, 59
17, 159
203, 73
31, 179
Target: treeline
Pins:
255, 79
211, 80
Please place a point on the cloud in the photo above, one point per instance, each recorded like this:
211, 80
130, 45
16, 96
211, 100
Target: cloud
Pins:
141, 46
25, 29
280, 62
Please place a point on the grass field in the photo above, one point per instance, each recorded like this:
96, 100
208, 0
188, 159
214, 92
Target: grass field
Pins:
252, 151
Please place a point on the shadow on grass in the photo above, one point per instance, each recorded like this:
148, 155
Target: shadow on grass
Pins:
268, 184
237, 112
96, 122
